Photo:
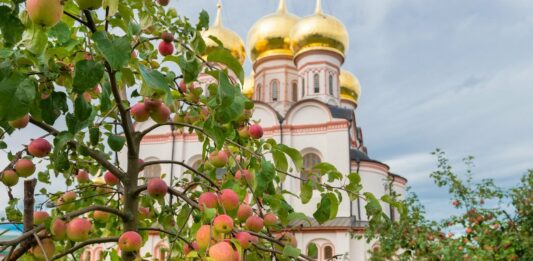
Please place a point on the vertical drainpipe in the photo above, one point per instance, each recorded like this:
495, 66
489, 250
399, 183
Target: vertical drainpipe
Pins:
350, 160
281, 138
172, 129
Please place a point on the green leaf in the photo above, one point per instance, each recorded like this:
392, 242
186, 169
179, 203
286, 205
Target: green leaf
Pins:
232, 112
295, 155
354, 186
154, 80
116, 51
52, 107
60, 156
10, 26
224, 56
280, 160
306, 191
190, 68
82, 109
116, 142
290, 251
327, 208
264, 177
94, 136
87, 74
35, 39
226, 91
16, 95
12, 212
296, 216
203, 21
60, 31
373, 207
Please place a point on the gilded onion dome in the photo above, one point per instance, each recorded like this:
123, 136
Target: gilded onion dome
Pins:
270, 35
350, 87
248, 86
229, 39
319, 32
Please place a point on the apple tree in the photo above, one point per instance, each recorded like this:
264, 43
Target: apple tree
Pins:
83, 72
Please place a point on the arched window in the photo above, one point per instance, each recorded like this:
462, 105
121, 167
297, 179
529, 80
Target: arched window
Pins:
312, 251
310, 161
316, 83
86, 256
161, 251
151, 171
259, 92
303, 87
98, 254
330, 82
294, 91
274, 88
328, 252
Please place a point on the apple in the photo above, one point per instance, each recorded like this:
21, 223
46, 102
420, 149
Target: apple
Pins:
222, 251
244, 132
468, 230
82, 176
39, 148
101, 216
130, 241
165, 48
187, 248
10, 178
244, 238
207, 199
247, 175
256, 131
24, 168
58, 229
47, 246
218, 158
157, 188
45, 12
111, 179
139, 112
78, 229
65, 202
87, 96
229, 199
270, 219
254, 223
163, 2
203, 236
151, 104
89, 4
167, 37
183, 86
39, 217
20, 123
244, 212
223, 224
144, 212
161, 114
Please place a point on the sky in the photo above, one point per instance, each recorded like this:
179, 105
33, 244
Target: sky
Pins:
455, 75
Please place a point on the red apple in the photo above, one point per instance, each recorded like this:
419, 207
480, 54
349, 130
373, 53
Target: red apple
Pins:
218, 158
151, 104
165, 48
270, 219
20, 123
111, 179
24, 168
78, 229
203, 236
222, 251
244, 238
244, 212
58, 229
187, 248
45, 12
65, 202
82, 176
183, 86
254, 223
161, 114
223, 224
144, 212
39, 217
207, 199
10, 178
130, 241
39, 148
167, 37
47, 246
163, 2
157, 188
139, 112
256, 131
244, 132
101, 216
229, 199
247, 175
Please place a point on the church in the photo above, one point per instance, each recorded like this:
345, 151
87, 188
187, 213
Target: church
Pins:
304, 99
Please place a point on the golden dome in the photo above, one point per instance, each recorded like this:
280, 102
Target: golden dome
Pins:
270, 35
319, 32
229, 39
248, 86
350, 86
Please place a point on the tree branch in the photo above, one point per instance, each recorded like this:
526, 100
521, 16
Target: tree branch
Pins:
189, 201
181, 163
85, 243
76, 18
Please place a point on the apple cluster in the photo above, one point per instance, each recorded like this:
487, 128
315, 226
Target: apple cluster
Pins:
24, 167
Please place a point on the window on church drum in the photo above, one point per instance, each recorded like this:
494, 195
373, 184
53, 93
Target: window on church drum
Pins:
316, 83
310, 160
328, 252
312, 251
259, 91
152, 171
294, 91
303, 87
86, 256
274, 86
330, 82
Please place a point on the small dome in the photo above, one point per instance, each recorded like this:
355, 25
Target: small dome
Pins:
248, 86
350, 87
229, 39
319, 32
270, 35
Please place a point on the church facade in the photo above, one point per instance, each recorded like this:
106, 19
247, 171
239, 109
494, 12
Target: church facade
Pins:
304, 99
